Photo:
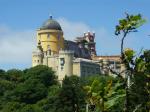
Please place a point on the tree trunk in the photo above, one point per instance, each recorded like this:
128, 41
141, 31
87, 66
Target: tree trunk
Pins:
124, 62
103, 110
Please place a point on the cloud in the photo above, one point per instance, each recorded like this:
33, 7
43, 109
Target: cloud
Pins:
15, 46
73, 29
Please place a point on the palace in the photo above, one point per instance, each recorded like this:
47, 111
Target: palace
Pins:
67, 57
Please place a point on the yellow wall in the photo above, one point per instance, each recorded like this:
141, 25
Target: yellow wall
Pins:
76, 69
53, 41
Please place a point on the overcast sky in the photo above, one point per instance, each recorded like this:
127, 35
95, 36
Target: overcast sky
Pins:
19, 20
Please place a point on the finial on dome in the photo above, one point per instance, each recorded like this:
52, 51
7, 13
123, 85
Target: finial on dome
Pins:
51, 17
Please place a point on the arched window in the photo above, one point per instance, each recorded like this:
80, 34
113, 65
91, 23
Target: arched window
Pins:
39, 36
48, 36
58, 36
48, 46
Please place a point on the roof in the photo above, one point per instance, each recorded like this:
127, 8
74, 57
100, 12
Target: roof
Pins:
51, 24
111, 57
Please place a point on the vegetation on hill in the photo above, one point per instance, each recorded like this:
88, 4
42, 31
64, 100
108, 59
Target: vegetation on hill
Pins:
37, 90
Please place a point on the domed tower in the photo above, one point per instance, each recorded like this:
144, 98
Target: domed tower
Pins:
50, 35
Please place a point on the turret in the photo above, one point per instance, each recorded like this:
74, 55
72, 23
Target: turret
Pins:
65, 64
37, 56
89, 37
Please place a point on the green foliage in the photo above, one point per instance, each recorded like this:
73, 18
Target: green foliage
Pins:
43, 74
31, 108
129, 54
139, 91
49, 104
106, 93
5, 85
22, 91
129, 24
137, 68
2, 72
28, 92
14, 75
37, 90
12, 107
71, 96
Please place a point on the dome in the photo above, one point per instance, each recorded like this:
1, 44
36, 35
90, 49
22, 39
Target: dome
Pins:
51, 24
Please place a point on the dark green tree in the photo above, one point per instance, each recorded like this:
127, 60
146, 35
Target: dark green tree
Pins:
14, 75
12, 107
49, 104
2, 72
71, 96
43, 74
22, 91
139, 94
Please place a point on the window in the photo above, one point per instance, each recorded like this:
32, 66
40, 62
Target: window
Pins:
58, 36
58, 47
62, 61
39, 36
48, 36
48, 46
62, 68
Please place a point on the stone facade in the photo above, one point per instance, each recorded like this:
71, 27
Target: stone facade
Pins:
84, 67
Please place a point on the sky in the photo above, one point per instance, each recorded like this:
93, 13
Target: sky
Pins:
19, 20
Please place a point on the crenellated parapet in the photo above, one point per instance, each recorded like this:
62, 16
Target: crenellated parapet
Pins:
66, 52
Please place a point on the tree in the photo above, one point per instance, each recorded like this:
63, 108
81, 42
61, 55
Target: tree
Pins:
11, 107
22, 91
28, 92
104, 94
139, 88
49, 104
43, 74
71, 96
31, 108
14, 75
2, 72
127, 25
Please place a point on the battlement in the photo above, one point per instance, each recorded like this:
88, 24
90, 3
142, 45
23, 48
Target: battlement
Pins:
84, 60
66, 52
34, 54
89, 34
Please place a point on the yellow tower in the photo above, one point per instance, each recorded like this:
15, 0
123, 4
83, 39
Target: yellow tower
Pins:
51, 37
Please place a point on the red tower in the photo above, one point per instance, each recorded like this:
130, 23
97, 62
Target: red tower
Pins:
89, 37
